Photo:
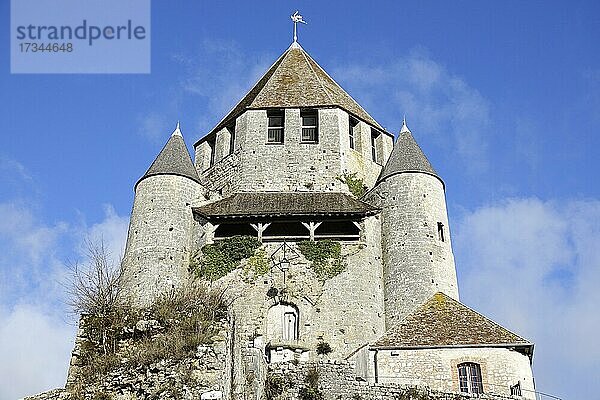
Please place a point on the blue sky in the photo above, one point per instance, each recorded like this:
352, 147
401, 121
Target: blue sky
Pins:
503, 97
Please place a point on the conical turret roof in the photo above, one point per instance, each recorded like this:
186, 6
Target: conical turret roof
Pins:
406, 156
173, 159
295, 80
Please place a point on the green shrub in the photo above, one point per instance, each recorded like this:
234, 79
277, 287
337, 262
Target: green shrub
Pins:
325, 257
222, 257
274, 386
323, 348
356, 185
311, 389
187, 317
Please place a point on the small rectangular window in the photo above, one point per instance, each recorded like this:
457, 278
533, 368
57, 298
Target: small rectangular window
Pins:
441, 235
310, 129
275, 126
352, 124
231, 130
374, 137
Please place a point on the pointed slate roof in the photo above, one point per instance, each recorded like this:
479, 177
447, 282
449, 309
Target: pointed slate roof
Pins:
296, 80
406, 156
173, 159
445, 322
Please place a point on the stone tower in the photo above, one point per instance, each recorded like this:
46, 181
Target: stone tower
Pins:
161, 227
417, 252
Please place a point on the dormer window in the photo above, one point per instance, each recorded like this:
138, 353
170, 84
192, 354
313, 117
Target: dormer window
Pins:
310, 129
275, 126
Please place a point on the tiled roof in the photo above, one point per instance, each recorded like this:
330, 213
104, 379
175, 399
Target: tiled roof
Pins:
443, 321
296, 80
173, 159
282, 204
406, 156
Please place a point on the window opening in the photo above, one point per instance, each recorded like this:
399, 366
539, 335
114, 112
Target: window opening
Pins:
353, 123
469, 378
309, 126
440, 228
275, 126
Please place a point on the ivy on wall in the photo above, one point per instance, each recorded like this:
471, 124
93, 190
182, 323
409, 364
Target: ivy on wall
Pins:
356, 185
222, 257
257, 265
325, 257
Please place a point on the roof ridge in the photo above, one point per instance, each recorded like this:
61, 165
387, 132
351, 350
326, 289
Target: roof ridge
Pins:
316, 76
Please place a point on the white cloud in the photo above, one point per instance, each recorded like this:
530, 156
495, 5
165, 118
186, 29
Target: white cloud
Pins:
534, 267
35, 348
112, 231
440, 107
36, 330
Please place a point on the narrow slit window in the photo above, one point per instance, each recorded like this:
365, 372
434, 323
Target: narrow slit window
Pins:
310, 128
353, 123
275, 126
374, 140
212, 146
441, 235
231, 130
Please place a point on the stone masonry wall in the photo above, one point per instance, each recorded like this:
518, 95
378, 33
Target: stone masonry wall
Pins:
345, 311
437, 368
337, 381
256, 165
417, 264
160, 236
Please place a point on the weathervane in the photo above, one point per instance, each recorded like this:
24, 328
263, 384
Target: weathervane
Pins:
297, 18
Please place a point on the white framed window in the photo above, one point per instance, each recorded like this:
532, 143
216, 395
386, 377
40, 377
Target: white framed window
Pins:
469, 378
310, 126
276, 120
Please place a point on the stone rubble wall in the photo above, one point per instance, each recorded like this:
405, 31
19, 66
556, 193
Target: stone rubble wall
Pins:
337, 381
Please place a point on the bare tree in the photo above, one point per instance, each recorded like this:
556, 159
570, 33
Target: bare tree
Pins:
95, 286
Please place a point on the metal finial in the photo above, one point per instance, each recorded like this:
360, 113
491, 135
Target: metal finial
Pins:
404, 126
177, 130
297, 18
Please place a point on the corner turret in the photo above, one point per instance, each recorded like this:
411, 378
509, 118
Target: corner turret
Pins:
160, 236
417, 253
